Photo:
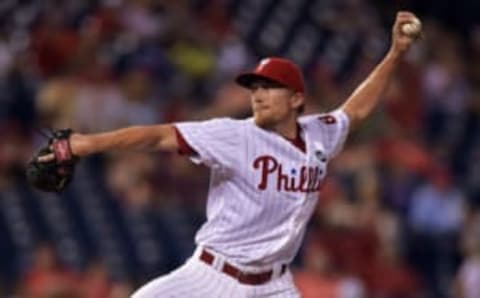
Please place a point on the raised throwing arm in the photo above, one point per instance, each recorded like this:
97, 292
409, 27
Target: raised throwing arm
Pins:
367, 95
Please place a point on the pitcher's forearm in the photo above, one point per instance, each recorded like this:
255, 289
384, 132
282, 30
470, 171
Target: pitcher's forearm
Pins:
145, 138
367, 95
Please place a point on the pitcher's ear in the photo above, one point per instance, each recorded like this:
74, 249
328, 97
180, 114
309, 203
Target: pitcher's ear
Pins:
298, 100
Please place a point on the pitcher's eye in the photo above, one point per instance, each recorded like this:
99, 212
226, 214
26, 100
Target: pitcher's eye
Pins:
266, 84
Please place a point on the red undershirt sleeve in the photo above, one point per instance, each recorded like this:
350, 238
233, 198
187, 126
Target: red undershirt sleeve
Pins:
183, 147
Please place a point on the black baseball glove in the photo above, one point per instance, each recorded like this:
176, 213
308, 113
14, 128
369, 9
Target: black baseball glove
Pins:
55, 173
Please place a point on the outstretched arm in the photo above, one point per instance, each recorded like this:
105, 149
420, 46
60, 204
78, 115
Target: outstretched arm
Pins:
148, 138
367, 95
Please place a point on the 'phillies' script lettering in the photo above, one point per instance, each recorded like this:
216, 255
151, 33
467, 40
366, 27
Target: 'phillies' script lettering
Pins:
308, 180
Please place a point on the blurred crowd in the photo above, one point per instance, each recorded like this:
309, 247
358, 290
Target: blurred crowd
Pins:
397, 217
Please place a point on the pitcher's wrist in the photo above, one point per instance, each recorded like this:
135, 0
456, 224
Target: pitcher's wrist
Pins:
79, 145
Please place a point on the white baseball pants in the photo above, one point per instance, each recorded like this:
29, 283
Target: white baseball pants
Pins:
197, 279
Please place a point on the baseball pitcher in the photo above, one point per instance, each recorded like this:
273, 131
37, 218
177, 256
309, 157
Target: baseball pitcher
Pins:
266, 172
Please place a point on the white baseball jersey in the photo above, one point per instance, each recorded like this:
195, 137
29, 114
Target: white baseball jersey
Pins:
263, 189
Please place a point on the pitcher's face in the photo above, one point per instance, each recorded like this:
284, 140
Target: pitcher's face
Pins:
272, 102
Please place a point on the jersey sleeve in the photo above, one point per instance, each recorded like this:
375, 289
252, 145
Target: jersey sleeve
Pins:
183, 147
333, 128
214, 143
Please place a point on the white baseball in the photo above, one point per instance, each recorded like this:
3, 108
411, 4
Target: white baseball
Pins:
412, 28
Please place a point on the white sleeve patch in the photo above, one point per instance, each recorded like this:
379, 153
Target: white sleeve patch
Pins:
216, 141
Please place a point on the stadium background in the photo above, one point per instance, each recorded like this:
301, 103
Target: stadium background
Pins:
398, 216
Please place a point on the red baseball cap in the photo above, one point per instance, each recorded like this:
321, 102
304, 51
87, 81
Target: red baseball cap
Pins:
280, 70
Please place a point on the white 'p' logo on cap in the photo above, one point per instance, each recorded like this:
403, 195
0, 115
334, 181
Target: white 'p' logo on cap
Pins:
262, 63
